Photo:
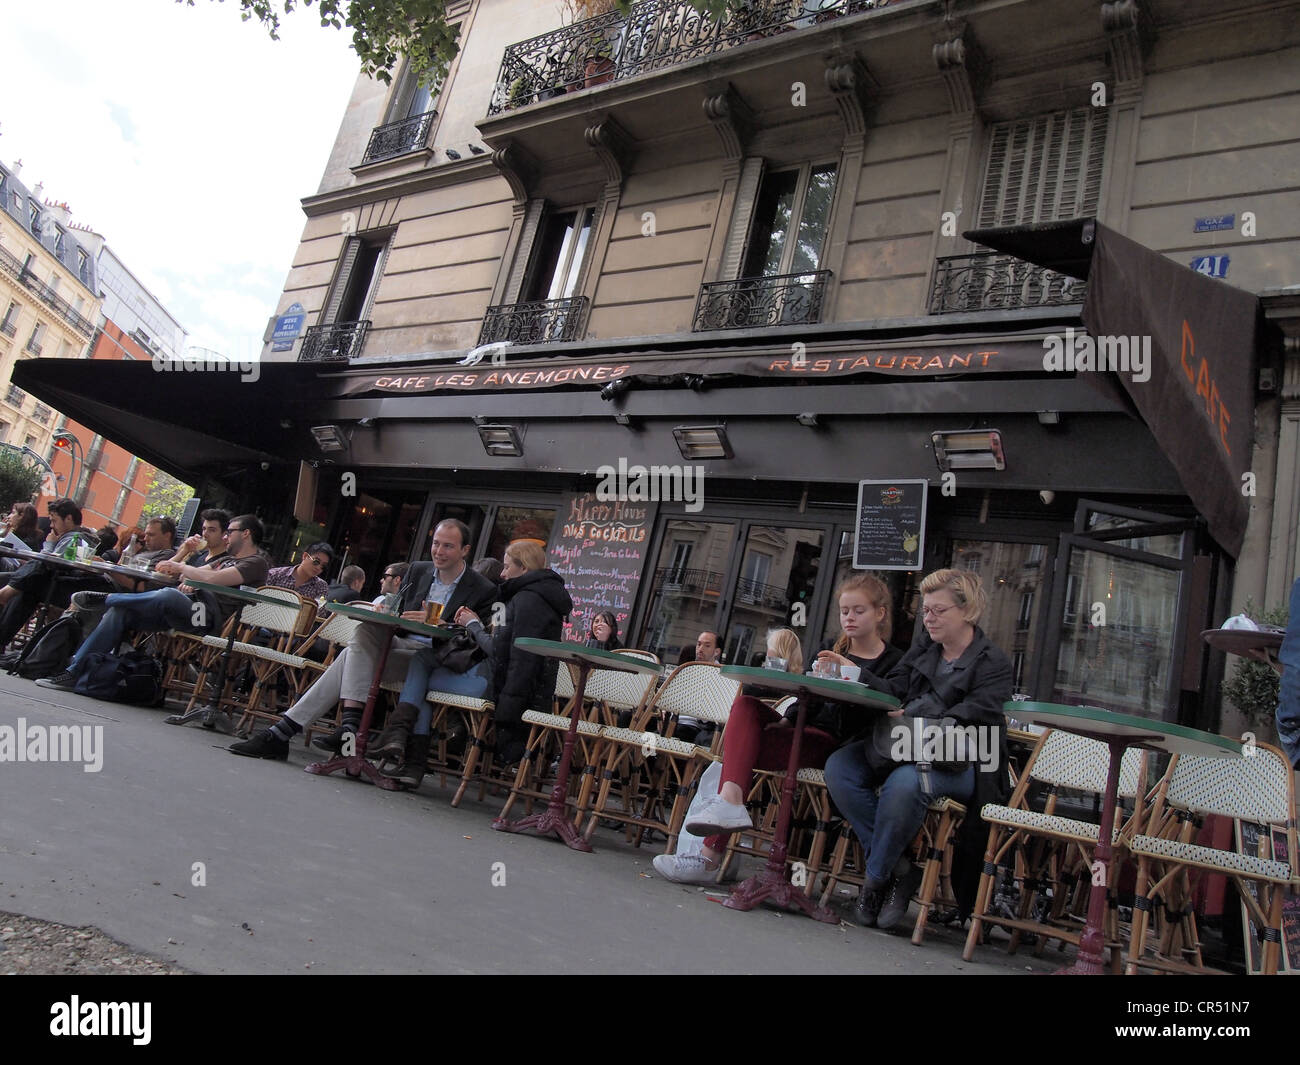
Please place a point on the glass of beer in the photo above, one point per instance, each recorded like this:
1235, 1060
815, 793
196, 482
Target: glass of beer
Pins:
432, 612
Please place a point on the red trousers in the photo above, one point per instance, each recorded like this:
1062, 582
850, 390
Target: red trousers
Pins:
756, 739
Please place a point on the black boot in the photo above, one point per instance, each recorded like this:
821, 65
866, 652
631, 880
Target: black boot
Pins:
866, 907
334, 741
263, 744
414, 762
397, 729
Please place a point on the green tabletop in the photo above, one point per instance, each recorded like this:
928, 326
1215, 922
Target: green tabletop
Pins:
838, 691
1102, 724
579, 653
370, 616
230, 591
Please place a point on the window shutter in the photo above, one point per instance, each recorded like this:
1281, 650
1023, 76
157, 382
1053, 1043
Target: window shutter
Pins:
346, 263
1045, 168
751, 174
524, 251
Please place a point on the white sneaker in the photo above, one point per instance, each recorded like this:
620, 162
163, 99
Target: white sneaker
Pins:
719, 818
685, 868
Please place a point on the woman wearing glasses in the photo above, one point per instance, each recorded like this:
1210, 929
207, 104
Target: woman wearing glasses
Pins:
951, 674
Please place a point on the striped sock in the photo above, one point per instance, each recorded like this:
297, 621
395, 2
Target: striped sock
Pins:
286, 729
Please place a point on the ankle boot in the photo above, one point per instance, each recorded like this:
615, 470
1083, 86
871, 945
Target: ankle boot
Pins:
414, 763
397, 729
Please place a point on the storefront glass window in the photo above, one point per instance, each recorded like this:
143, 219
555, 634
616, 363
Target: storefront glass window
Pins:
778, 576
519, 523
687, 587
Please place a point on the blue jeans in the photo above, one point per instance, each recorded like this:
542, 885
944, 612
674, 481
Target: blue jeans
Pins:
423, 676
1288, 707
163, 608
886, 818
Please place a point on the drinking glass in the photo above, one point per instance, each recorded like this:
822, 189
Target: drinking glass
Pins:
771, 662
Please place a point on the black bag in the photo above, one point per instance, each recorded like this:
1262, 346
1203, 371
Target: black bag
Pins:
49, 650
459, 654
132, 677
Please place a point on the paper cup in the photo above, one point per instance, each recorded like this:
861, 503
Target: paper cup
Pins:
853, 673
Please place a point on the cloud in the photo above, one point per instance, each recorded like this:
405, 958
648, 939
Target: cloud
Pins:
184, 135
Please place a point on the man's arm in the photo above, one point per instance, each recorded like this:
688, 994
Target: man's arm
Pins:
229, 577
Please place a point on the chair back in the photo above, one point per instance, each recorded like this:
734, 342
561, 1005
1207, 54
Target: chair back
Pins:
786, 704
619, 691
1069, 761
647, 655
698, 690
337, 628
564, 690
306, 607
278, 617
1251, 787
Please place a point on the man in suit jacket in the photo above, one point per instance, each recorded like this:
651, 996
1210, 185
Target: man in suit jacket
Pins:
447, 579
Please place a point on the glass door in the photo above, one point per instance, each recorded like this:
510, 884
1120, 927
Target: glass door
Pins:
688, 580
778, 578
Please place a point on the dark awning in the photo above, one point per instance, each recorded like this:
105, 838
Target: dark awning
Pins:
1198, 335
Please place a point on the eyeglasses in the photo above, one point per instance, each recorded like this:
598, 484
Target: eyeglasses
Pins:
392, 576
935, 611
318, 563
233, 529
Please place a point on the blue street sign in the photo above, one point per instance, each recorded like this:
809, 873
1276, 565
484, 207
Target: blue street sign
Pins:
1211, 265
1218, 221
287, 328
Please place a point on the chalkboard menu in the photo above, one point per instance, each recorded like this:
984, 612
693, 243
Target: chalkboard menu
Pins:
599, 548
890, 529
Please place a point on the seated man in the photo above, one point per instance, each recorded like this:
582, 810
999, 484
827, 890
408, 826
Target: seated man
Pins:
305, 578
158, 536
348, 587
172, 608
447, 579
391, 582
32, 582
204, 546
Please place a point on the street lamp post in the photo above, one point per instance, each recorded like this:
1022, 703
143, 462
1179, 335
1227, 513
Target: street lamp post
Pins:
66, 441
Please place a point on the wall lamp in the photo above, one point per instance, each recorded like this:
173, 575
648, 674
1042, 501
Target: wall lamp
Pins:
969, 450
365, 423
613, 389
500, 439
329, 437
703, 442
1049, 417
807, 419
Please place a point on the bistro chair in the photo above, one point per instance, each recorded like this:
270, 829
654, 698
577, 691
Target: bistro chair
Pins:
1047, 849
1256, 788
660, 769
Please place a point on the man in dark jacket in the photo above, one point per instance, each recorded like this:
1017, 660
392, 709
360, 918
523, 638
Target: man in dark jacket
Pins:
446, 579
347, 588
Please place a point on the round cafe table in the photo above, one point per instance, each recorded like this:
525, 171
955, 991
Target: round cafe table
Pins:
1118, 732
773, 883
354, 763
553, 818
212, 714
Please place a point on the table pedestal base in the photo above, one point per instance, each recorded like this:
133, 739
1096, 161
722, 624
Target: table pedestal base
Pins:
355, 766
212, 718
547, 822
772, 886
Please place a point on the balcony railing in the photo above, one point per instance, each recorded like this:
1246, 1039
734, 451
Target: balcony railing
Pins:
678, 581
399, 138
764, 596
12, 265
34, 346
988, 282
760, 302
8, 328
15, 395
42, 414
333, 343
539, 322
654, 34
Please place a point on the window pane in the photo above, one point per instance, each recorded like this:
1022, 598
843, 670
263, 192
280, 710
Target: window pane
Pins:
687, 587
815, 220
556, 238
519, 523
1012, 575
778, 571
575, 262
772, 217
1170, 544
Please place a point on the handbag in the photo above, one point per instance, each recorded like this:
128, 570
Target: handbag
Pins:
461, 653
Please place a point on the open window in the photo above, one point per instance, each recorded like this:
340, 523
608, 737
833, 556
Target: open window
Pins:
345, 319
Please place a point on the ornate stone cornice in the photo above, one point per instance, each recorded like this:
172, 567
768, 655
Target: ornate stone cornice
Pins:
517, 167
1127, 38
853, 88
733, 120
613, 147
961, 62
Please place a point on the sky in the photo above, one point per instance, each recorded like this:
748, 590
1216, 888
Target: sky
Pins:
185, 136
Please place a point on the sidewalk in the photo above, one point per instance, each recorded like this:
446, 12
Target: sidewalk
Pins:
310, 874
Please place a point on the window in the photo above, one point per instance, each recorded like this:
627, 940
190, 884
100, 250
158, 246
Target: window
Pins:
790, 220
15, 395
558, 255
358, 278
9, 325
34, 341
59, 242
83, 266
4, 431
41, 413
34, 216
1044, 168
30, 441
1026, 614
413, 98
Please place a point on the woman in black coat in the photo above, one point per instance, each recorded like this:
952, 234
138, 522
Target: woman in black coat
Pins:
952, 674
536, 604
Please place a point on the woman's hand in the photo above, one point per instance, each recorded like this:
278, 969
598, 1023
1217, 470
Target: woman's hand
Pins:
896, 713
831, 656
464, 616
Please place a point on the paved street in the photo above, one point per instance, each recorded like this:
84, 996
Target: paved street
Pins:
305, 874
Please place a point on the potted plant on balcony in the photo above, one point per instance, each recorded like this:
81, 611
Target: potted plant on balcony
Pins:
596, 49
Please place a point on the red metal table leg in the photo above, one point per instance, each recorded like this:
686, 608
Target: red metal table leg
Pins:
355, 764
554, 818
773, 884
1092, 944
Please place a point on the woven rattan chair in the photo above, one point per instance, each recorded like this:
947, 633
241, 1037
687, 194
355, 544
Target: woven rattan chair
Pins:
1047, 849
1257, 788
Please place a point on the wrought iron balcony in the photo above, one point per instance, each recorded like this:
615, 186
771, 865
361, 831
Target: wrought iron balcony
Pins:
42, 413
674, 580
34, 346
8, 328
539, 322
764, 596
654, 34
333, 343
15, 395
760, 302
12, 265
988, 282
399, 138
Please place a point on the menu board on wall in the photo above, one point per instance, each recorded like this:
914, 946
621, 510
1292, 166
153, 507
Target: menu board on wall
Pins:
890, 529
599, 548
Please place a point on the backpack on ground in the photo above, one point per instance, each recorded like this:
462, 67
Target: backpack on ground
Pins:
49, 650
131, 677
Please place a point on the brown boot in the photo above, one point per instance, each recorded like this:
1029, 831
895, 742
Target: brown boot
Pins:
397, 729
411, 772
